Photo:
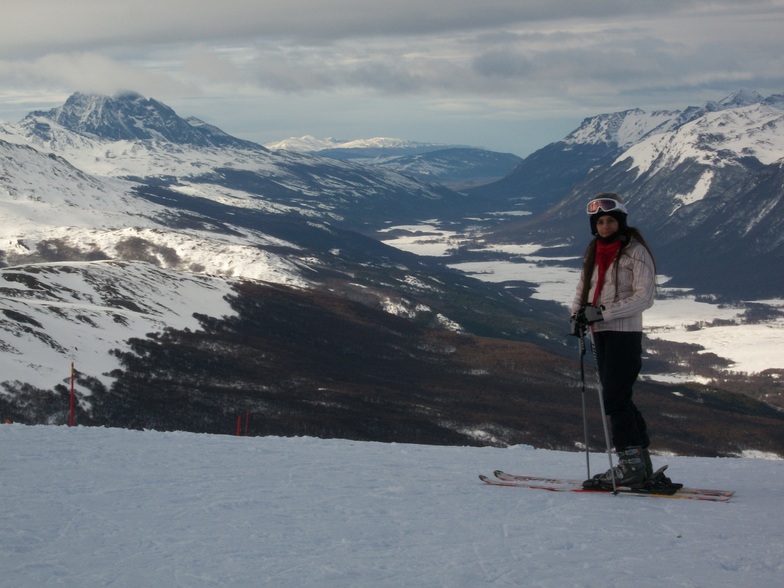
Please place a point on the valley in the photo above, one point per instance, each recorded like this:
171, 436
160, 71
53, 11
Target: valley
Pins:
193, 278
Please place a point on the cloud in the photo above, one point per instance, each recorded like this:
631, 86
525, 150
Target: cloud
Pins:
533, 58
54, 25
88, 72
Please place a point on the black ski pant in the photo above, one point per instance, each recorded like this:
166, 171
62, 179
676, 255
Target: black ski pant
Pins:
618, 361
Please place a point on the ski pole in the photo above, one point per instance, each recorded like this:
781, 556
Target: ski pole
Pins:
581, 337
601, 408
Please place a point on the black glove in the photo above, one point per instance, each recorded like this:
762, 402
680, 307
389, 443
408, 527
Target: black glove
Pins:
576, 328
589, 314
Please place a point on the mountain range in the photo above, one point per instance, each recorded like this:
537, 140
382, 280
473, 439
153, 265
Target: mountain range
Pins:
458, 167
705, 185
191, 276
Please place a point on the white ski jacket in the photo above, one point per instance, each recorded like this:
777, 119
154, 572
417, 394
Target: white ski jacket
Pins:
635, 278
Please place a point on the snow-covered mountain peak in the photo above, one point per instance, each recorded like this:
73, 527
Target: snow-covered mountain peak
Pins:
308, 143
775, 101
743, 97
619, 128
128, 116
384, 143
750, 130
629, 127
125, 116
129, 136
744, 123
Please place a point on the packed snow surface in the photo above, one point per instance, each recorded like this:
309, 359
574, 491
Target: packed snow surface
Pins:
95, 507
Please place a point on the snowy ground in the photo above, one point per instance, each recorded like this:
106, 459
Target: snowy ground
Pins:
93, 507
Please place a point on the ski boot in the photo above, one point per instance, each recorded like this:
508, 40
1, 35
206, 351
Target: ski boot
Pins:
631, 471
646, 458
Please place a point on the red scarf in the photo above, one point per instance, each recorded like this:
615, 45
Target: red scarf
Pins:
605, 255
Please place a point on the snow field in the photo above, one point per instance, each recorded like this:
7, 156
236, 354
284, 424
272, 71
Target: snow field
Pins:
751, 348
108, 507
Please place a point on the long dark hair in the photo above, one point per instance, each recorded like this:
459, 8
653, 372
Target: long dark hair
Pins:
589, 258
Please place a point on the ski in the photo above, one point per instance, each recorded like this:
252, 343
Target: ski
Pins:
501, 475
621, 490
563, 485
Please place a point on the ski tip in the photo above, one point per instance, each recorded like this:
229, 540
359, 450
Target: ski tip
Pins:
498, 473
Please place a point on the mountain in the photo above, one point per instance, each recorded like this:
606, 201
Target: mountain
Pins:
541, 179
188, 281
104, 232
356, 148
458, 168
361, 149
129, 116
455, 166
186, 202
156, 348
54, 211
130, 137
705, 184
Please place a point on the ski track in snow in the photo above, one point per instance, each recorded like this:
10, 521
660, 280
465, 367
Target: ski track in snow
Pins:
107, 507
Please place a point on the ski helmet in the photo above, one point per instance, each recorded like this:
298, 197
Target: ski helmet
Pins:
607, 203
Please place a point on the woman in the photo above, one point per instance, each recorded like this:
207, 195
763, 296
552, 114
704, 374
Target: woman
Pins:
617, 284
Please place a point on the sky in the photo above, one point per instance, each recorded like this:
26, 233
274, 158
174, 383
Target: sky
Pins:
506, 75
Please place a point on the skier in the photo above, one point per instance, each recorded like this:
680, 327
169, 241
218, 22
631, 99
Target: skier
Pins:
616, 285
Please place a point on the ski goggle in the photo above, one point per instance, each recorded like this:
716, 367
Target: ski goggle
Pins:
605, 205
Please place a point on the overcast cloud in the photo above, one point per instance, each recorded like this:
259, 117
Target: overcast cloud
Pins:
509, 75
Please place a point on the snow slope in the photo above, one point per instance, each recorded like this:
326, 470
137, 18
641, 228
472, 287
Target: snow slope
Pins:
45, 199
55, 314
95, 507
